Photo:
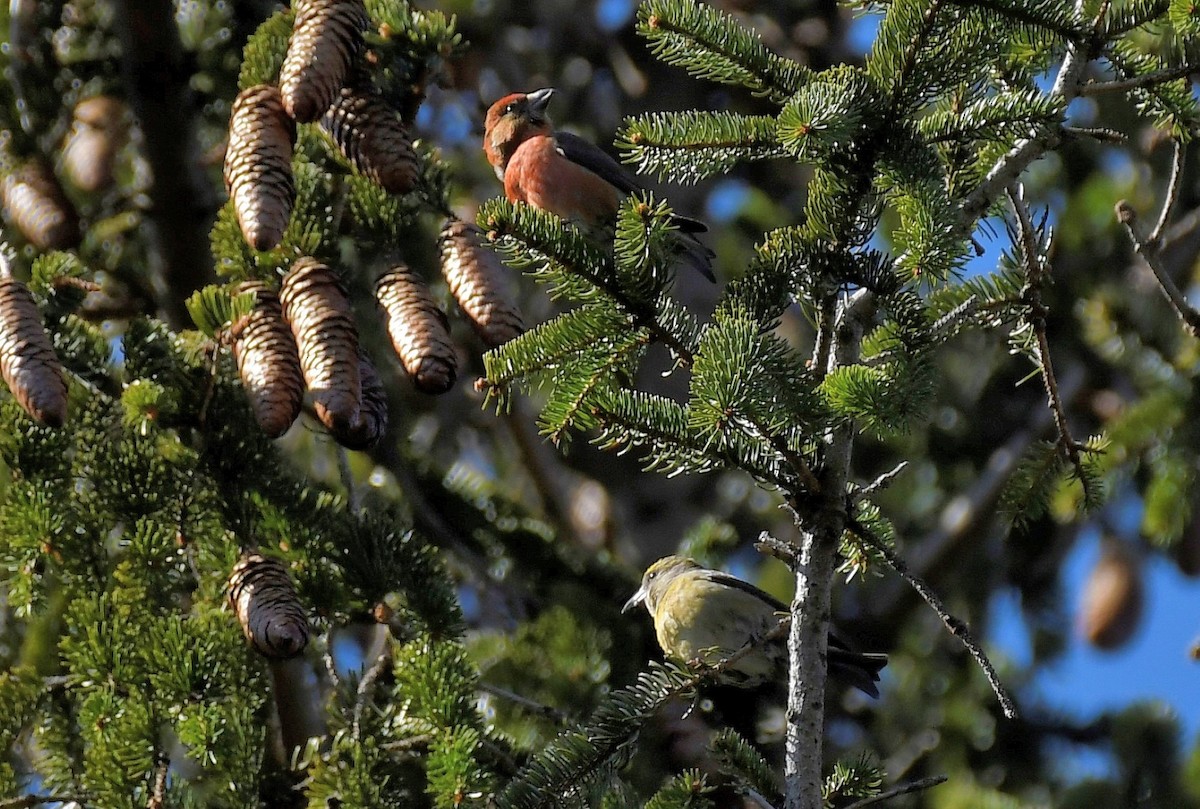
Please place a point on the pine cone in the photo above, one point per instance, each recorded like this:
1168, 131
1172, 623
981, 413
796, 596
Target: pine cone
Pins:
370, 134
1111, 607
316, 307
264, 599
27, 360
373, 417
476, 278
39, 209
326, 37
418, 330
258, 165
97, 134
269, 362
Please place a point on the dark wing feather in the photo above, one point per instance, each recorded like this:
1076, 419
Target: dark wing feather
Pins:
733, 581
596, 160
599, 162
859, 669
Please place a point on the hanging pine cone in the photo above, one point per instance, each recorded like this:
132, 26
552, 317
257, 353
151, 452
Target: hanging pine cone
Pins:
1111, 607
370, 134
99, 131
258, 165
316, 307
326, 36
36, 203
373, 416
27, 360
264, 599
476, 278
268, 362
418, 330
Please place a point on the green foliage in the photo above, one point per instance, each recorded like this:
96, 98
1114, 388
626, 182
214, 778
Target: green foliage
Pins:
852, 780
688, 147
747, 765
584, 755
262, 56
711, 44
688, 790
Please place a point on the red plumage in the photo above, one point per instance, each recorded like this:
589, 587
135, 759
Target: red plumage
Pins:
564, 174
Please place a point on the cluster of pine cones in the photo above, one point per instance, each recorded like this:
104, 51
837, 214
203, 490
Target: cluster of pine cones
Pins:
304, 336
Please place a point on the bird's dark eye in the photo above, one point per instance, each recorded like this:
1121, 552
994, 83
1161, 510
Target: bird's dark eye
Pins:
652, 575
510, 109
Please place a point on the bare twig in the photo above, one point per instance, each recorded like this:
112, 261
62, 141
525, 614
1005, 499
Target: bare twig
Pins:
882, 482
1100, 133
758, 800
956, 626
365, 686
904, 789
1137, 82
353, 495
1172, 197
1150, 252
1035, 272
556, 715
159, 793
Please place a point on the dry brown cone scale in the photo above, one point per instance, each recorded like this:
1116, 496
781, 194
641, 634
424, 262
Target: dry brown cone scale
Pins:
37, 206
258, 165
268, 362
372, 137
418, 330
264, 599
326, 37
477, 280
317, 309
27, 359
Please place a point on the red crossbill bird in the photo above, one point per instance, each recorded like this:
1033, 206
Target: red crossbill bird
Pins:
564, 174
708, 616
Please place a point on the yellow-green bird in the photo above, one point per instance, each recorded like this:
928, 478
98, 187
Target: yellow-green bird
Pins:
707, 615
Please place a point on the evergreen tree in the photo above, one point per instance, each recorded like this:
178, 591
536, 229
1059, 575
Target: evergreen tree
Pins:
399, 602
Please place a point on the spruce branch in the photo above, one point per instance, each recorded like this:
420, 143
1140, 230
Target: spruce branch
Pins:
904, 789
1009, 167
957, 627
1150, 253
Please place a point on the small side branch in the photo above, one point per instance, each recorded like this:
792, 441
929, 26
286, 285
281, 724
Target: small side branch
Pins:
1150, 251
1138, 82
1172, 197
956, 626
1035, 274
904, 789
555, 715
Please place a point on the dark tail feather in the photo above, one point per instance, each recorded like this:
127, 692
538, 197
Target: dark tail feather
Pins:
688, 225
859, 669
697, 256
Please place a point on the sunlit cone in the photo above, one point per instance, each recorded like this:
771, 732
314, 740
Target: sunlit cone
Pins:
264, 599
418, 330
370, 134
477, 279
373, 416
316, 307
27, 360
99, 131
258, 165
36, 204
1111, 607
268, 362
326, 37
